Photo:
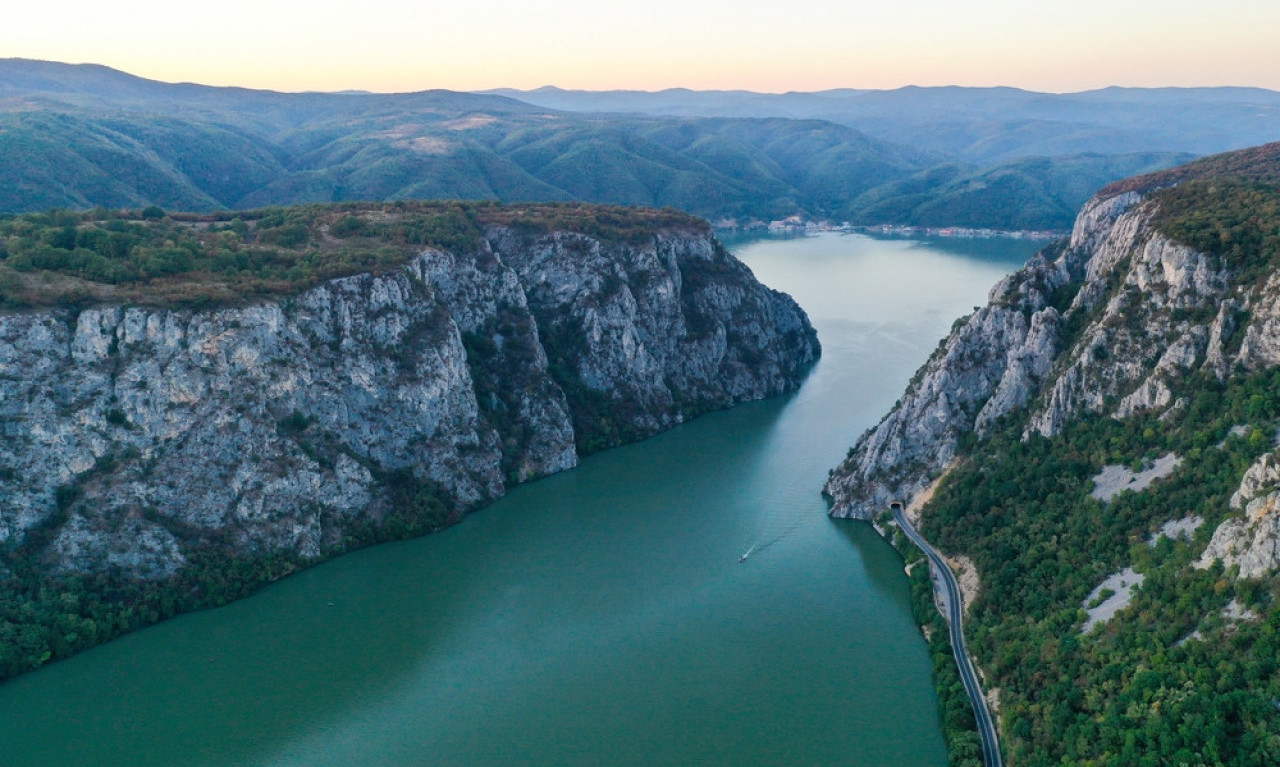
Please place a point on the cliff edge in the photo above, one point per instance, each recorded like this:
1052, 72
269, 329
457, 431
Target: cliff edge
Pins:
164, 443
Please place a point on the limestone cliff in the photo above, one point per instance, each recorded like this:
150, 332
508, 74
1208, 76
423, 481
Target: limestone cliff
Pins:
1154, 330
134, 435
1082, 324
1116, 320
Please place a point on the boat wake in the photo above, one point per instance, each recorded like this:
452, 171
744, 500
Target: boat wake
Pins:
769, 538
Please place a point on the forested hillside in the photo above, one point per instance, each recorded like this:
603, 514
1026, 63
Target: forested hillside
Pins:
1100, 443
980, 126
82, 137
85, 136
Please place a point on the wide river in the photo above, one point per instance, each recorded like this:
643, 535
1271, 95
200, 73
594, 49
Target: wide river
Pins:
599, 616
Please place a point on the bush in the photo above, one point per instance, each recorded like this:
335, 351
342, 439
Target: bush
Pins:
152, 257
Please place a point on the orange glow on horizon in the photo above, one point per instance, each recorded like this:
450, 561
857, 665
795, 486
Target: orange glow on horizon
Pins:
394, 45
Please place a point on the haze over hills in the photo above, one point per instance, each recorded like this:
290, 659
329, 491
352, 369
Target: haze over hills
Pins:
980, 125
81, 136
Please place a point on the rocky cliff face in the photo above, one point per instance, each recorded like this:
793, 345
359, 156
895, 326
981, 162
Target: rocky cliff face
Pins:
1079, 326
1153, 330
1109, 322
134, 435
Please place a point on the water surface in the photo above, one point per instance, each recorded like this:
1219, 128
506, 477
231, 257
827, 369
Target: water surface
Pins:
599, 616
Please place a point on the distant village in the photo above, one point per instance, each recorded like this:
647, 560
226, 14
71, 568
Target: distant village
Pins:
799, 225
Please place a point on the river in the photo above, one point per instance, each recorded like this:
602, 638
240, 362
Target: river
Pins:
599, 616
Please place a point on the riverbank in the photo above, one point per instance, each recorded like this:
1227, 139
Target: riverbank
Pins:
521, 619
955, 707
799, 226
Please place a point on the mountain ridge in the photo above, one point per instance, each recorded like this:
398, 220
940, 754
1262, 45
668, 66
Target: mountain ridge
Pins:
1107, 120
67, 140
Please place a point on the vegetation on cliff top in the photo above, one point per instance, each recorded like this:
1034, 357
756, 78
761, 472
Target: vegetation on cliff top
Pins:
1227, 206
1260, 164
1236, 220
154, 258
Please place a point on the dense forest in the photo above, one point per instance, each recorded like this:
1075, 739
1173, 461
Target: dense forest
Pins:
1141, 687
1179, 676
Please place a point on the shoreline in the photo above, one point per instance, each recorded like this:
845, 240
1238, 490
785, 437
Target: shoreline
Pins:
795, 226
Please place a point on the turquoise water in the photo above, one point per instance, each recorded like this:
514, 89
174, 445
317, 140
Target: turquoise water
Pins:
599, 616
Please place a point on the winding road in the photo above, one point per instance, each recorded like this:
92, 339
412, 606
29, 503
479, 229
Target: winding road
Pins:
951, 593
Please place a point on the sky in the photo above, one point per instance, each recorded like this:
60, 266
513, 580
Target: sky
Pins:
774, 46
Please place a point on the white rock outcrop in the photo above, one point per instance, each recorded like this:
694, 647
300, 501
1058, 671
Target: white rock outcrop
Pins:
1253, 541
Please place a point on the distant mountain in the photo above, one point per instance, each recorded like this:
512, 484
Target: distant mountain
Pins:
81, 136
26, 84
981, 125
1031, 193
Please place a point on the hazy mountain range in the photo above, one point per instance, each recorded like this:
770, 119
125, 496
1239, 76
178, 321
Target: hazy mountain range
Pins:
84, 135
981, 125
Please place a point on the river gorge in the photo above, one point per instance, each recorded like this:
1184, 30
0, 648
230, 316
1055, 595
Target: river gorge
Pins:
597, 616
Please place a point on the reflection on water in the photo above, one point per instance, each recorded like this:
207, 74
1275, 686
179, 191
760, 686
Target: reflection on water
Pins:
599, 616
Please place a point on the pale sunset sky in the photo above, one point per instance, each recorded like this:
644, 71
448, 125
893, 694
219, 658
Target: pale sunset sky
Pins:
407, 45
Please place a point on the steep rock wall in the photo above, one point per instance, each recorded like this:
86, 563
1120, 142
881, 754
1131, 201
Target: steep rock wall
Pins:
133, 435
1103, 323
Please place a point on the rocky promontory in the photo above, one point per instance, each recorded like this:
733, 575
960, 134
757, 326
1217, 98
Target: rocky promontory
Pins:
140, 436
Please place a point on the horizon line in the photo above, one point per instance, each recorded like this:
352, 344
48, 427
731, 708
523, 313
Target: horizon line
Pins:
667, 89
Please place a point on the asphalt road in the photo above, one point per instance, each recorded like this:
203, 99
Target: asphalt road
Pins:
951, 593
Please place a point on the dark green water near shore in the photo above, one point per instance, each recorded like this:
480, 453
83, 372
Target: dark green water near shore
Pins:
599, 616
